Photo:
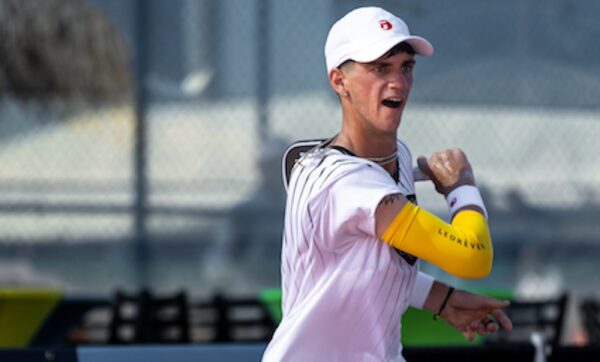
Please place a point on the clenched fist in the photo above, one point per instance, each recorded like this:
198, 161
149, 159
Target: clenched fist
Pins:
447, 169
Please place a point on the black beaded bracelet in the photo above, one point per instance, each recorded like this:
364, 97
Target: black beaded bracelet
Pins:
439, 312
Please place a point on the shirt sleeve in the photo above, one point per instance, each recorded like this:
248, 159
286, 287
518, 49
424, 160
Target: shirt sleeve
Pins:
420, 291
350, 204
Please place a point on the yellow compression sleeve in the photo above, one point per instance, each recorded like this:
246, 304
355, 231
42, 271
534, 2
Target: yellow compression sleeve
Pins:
463, 248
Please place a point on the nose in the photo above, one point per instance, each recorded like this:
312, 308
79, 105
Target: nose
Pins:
400, 82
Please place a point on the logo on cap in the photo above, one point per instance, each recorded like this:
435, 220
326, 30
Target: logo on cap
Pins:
385, 25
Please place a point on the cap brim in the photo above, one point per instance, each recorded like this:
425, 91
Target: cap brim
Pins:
421, 45
377, 50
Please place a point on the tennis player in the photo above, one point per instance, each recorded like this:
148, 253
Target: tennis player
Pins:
353, 233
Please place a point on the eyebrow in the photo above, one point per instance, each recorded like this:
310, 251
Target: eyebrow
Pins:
384, 61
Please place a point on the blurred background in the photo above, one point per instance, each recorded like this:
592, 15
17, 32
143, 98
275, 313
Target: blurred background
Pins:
141, 140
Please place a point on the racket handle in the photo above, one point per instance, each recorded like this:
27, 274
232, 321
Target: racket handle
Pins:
418, 175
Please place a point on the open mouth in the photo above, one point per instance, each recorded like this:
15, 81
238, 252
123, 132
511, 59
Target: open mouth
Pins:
392, 102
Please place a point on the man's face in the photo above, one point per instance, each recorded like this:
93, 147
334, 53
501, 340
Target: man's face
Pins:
378, 91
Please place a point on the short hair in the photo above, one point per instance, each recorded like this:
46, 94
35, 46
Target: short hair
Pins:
403, 47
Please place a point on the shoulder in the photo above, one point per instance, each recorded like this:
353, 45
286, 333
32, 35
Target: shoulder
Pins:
402, 145
405, 162
324, 167
327, 159
404, 153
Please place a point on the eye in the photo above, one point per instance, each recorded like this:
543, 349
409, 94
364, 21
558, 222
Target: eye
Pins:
407, 68
380, 68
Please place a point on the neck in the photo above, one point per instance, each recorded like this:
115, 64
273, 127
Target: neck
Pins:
385, 159
363, 137
375, 147
382, 152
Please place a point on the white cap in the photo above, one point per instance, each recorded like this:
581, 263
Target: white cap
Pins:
365, 34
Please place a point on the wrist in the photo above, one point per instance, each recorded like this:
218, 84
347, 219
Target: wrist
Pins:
436, 296
464, 196
444, 303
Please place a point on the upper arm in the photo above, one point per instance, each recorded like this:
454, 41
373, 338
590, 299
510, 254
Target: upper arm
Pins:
351, 201
389, 206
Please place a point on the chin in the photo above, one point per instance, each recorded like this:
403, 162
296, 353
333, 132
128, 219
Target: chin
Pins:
393, 124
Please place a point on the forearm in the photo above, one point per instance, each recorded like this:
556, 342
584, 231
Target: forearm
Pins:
462, 248
467, 312
436, 296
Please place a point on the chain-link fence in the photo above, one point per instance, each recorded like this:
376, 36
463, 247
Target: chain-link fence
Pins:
180, 187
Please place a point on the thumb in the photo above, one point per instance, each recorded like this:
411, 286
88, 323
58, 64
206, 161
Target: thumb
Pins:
470, 335
468, 300
500, 303
495, 303
423, 165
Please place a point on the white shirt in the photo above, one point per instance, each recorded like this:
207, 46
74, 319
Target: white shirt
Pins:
344, 290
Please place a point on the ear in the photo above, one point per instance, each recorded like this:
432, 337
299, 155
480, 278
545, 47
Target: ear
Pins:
336, 80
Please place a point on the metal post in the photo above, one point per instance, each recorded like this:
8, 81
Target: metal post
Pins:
140, 182
263, 21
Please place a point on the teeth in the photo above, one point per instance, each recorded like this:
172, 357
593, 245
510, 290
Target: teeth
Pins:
392, 102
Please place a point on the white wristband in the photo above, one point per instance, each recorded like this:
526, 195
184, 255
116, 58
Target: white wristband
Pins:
465, 195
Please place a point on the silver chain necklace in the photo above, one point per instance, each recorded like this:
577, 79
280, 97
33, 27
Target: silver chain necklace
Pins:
385, 159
